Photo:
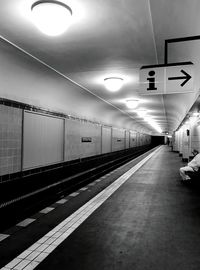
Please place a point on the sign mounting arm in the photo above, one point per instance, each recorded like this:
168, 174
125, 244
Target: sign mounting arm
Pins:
175, 40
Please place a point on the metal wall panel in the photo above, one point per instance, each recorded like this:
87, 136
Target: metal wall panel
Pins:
118, 139
43, 140
133, 139
127, 139
106, 139
138, 139
82, 139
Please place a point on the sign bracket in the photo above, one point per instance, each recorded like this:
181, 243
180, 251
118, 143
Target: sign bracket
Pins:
175, 40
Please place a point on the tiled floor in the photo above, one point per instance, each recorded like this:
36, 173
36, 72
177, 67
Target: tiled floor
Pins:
37, 252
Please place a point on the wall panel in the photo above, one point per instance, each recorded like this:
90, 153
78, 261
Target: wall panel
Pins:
141, 139
82, 139
195, 137
147, 139
43, 140
133, 139
138, 139
106, 139
127, 139
118, 139
10, 139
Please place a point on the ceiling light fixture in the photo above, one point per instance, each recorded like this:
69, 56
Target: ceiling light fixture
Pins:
141, 113
51, 17
192, 119
132, 103
113, 83
152, 123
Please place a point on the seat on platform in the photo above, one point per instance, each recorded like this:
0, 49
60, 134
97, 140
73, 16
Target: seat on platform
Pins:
194, 175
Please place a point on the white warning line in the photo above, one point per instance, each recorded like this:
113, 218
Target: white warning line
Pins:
3, 236
83, 188
62, 201
36, 253
98, 180
74, 194
91, 184
25, 222
47, 210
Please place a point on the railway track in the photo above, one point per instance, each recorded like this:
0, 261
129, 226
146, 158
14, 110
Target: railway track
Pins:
18, 204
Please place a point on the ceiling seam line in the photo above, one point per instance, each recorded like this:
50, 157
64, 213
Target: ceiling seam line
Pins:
64, 76
156, 53
153, 32
166, 115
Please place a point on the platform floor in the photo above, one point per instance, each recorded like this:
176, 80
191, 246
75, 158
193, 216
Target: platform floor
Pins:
152, 221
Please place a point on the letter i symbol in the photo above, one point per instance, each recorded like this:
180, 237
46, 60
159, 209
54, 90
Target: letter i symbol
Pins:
151, 81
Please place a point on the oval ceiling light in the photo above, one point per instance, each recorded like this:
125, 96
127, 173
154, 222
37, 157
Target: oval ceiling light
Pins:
51, 17
141, 113
195, 114
132, 103
113, 83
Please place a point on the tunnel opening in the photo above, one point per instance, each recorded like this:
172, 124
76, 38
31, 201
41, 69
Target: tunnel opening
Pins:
157, 140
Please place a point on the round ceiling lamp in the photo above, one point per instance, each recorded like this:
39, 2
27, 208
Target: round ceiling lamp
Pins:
132, 103
195, 114
142, 113
113, 83
51, 17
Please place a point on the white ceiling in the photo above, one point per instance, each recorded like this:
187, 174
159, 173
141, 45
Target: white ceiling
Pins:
115, 37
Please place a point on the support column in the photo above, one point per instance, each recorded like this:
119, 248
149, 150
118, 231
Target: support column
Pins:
195, 136
181, 141
185, 142
175, 141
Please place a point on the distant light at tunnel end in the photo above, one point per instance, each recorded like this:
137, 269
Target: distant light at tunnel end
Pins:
51, 17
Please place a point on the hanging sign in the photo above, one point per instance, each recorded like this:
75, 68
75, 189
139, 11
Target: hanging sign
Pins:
166, 79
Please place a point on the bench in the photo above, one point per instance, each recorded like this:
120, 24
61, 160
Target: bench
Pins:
194, 175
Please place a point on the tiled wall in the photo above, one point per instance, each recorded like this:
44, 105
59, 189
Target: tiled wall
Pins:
10, 139
81, 139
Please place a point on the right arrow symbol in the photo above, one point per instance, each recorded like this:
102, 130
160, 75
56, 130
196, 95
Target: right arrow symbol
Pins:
186, 78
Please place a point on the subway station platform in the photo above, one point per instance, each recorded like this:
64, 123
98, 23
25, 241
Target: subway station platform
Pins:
138, 217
